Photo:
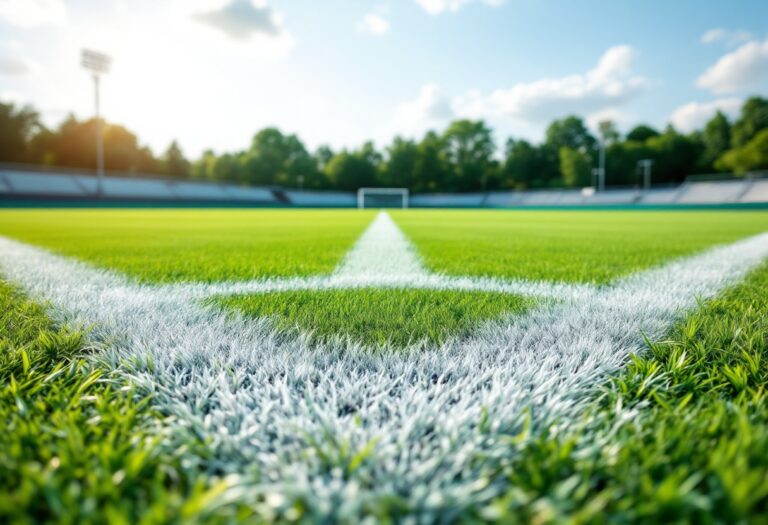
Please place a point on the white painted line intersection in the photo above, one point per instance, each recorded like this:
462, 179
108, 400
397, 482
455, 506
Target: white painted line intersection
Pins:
272, 404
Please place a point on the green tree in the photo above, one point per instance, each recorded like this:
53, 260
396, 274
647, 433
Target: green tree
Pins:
174, 162
275, 158
202, 168
641, 133
400, 167
74, 145
576, 167
675, 156
751, 156
432, 170
528, 166
716, 139
323, 156
621, 160
569, 132
469, 149
17, 128
352, 170
229, 167
753, 119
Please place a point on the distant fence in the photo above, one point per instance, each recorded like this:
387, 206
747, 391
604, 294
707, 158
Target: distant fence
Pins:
33, 186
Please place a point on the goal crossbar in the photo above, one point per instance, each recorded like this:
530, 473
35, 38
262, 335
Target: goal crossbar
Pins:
363, 192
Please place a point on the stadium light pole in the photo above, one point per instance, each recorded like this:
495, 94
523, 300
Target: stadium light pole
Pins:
646, 165
97, 63
601, 169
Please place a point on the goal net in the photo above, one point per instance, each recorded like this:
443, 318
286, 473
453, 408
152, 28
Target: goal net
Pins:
382, 198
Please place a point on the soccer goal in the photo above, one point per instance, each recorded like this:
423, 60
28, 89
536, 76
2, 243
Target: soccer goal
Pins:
382, 198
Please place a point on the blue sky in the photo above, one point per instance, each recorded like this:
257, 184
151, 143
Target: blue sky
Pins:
211, 72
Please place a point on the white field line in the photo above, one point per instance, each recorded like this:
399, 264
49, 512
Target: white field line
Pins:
384, 258
279, 406
382, 250
430, 281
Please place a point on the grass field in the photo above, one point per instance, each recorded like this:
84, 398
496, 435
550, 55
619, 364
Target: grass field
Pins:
401, 318
585, 246
637, 400
187, 245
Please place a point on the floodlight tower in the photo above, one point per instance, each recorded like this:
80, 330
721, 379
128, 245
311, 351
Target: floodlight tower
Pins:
601, 169
646, 165
97, 63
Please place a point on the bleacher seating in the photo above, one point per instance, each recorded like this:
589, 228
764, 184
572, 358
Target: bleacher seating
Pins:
757, 192
571, 198
90, 185
5, 187
198, 190
614, 197
448, 200
137, 188
25, 183
540, 198
663, 196
503, 199
76, 186
322, 199
248, 194
714, 192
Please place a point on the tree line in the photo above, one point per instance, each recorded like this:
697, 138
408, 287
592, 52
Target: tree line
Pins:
462, 158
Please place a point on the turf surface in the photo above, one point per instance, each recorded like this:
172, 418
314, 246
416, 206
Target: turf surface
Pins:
583, 246
76, 447
680, 436
381, 317
216, 245
194, 245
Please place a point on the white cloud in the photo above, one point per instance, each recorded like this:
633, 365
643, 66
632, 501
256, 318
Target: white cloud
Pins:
15, 66
375, 23
713, 35
738, 70
430, 109
241, 19
608, 85
729, 37
33, 13
436, 7
694, 115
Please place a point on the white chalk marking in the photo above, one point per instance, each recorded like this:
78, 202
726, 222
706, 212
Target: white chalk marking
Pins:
382, 251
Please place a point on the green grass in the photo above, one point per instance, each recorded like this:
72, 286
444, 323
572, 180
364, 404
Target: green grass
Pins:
395, 317
680, 436
215, 245
76, 448
583, 246
204, 245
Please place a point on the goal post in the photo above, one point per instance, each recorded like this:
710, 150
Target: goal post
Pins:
382, 198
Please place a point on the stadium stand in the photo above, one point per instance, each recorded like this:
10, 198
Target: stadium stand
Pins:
714, 192
447, 200
659, 196
322, 199
142, 188
44, 186
198, 190
22, 183
757, 192
239, 193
